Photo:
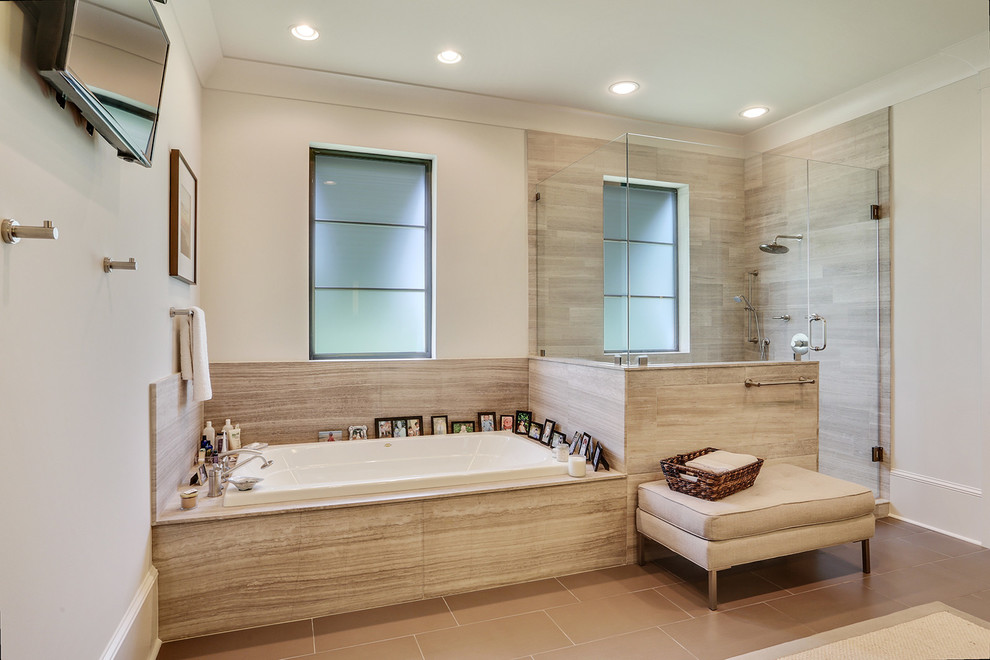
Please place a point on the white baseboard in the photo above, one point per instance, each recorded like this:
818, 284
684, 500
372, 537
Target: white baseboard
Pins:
138, 629
938, 505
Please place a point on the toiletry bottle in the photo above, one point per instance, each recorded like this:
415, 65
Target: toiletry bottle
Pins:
201, 454
561, 451
228, 429
221, 442
234, 437
210, 433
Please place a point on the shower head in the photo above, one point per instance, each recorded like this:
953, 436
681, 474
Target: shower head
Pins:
777, 248
743, 299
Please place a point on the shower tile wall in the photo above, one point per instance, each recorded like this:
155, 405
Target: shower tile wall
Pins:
566, 269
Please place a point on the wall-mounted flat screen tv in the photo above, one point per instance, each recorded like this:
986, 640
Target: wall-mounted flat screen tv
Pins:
108, 58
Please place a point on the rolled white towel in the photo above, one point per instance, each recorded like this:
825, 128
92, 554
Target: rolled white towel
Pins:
721, 461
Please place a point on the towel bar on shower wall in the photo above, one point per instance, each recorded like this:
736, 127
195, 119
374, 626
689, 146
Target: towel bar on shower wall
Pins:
173, 312
749, 382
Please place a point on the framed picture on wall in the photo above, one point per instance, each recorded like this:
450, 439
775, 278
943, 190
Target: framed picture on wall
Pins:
182, 219
546, 435
383, 428
414, 426
462, 427
438, 424
486, 421
506, 422
523, 418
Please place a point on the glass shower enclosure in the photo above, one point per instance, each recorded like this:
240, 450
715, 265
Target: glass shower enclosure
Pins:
677, 252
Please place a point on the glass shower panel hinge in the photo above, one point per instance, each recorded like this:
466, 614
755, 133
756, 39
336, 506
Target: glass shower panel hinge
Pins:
874, 212
877, 456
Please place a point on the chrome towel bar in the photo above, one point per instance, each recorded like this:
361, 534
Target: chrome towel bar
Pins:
800, 381
173, 312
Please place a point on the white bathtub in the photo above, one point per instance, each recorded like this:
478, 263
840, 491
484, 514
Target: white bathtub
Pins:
320, 470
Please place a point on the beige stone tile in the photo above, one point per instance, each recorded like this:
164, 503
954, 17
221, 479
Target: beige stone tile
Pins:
648, 644
365, 626
266, 643
346, 558
598, 619
402, 648
506, 638
733, 632
836, 606
509, 600
606, 582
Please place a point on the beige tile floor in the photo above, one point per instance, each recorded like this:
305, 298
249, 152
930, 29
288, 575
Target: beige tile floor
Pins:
631, 612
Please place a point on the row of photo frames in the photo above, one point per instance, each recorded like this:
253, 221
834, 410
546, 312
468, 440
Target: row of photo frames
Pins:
523, 424
402, 427
398, 427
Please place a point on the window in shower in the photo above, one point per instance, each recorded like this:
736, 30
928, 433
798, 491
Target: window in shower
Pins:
642, 284
370, 255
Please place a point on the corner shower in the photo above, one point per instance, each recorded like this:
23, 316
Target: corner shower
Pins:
592, 282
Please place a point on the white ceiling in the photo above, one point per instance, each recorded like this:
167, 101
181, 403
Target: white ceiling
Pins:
699, 62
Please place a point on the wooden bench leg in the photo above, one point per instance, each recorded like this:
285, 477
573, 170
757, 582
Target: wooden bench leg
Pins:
640, 550
866, 555
712, 590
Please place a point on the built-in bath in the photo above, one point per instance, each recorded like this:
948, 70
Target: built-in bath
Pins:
287, 561
310, 471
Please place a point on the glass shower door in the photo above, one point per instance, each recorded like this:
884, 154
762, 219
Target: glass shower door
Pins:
843, 319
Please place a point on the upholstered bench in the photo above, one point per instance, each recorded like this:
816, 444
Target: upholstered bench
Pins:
788, 510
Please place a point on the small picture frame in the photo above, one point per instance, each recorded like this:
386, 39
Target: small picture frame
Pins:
576, 443
399, 428
330, 436
547, 434
535, 431
523, 419
462, 427
486, 421
558, 438
357, 432
506, 422
438, 424
414, 426
383, 427
598, 457
585, 449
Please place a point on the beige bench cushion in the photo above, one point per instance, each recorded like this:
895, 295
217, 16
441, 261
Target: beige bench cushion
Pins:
783, 496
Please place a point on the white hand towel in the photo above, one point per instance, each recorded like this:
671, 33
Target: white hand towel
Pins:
194, 360
721, 461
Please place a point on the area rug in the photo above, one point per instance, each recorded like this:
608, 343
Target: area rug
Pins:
926, 632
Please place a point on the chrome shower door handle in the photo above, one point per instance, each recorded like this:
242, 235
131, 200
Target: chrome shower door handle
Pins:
812, 319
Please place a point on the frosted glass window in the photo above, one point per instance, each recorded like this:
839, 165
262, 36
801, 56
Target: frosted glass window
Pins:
357, 189
356, 322
639, 230
370, 256
651, 270
615, 325
652, 324
615, 268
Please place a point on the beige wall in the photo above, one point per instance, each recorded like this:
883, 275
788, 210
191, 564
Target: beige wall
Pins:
83, 346
255, 241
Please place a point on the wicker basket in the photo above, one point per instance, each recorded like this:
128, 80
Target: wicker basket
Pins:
709, 486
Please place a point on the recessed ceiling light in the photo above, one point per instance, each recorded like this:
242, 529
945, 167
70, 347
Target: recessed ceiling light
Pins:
449, 57
624, 87
304, 32
753, 113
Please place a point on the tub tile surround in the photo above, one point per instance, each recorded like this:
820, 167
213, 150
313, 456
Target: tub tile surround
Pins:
288, 402
176, 422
